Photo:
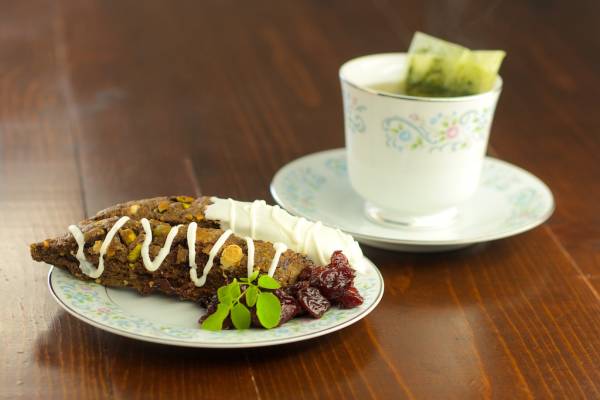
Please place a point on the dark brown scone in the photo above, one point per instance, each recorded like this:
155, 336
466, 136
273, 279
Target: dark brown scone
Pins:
172, 210
123, 262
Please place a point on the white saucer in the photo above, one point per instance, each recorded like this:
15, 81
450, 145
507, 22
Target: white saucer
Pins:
509, 201
166, 320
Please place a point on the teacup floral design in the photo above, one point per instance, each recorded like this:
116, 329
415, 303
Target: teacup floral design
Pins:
449, 132
430, 147
452, 132
354, 120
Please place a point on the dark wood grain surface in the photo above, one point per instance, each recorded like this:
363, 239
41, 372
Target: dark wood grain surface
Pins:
105, 101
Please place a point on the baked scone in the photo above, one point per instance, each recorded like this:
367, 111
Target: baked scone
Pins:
189, 247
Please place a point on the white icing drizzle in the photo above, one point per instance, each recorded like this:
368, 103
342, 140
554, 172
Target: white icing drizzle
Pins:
86, 266
191, 242
298, 229
270, 223
153, 265
253, 208
279, 249
315, 234
258, 221
250, 247
211, 255
344, 238
289, 231
310, 234
231, 214
107, 240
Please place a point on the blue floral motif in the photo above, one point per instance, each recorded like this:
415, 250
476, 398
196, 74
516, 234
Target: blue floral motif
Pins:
91, 302
355, 123
527, 204
440, 132
337, 166
524, 201
494, 176
300, 187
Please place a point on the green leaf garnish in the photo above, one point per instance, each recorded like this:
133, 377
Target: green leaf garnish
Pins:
240, 316
214, 322
234, 289
224, 295
268, 310
267, 282
253, 276
251, 296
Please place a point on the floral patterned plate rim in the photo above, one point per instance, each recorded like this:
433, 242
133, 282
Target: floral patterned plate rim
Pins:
508, 201
161, 319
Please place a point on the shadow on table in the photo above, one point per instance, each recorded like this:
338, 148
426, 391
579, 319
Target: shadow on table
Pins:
435, 309
439, 277
84, 356
426, 259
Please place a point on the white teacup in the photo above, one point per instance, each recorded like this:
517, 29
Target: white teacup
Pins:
413, 159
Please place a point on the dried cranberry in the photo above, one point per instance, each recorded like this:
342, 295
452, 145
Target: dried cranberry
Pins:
289, 306
350, 299
315, 272
211, 306
313, 301
333, 281
338, 259
293, 289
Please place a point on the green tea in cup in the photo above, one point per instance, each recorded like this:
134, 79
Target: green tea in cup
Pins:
437, 68
417, 126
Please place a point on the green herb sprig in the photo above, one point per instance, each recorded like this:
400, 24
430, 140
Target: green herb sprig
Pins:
268, 308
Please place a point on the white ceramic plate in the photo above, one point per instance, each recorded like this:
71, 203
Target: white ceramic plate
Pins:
162, 319
509, 201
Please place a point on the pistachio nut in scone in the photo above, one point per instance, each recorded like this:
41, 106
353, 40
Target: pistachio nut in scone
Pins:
163, 263
190, 247
172, 210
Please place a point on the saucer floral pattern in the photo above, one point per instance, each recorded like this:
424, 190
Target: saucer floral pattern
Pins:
450, 132
301, 186
94, 304
520, 201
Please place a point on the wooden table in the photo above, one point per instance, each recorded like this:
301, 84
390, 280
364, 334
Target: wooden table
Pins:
105, 101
